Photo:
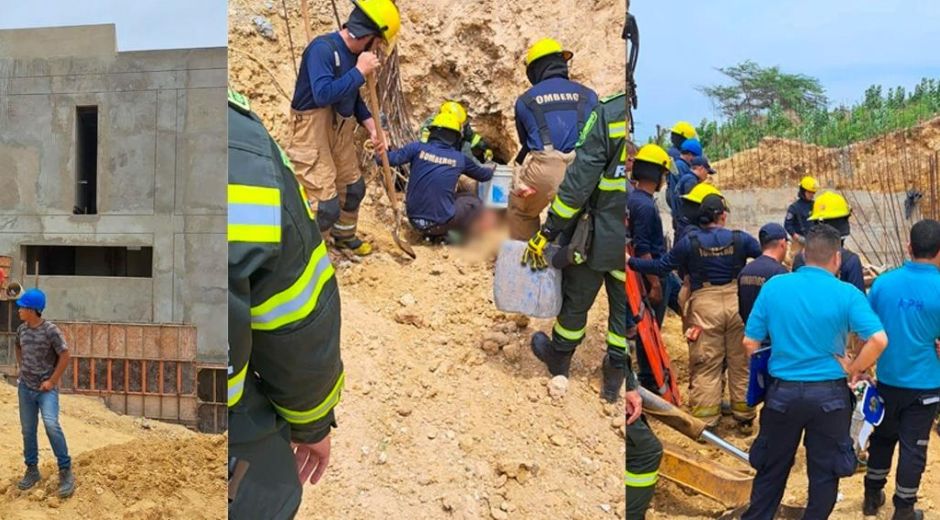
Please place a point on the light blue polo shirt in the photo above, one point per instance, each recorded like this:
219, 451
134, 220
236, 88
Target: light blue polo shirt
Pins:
907, 300
808, 315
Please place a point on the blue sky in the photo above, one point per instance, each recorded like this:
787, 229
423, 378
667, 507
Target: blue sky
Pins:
141, 24
848, 45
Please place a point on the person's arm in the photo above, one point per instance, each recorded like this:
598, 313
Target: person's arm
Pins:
400, 156
378, 145
361, 111
662, 265
752, 246
326, 89
756, 329
852, 273
19, 350
521, 133
477, 172
791, 224
865, 323
641, 217
798, 261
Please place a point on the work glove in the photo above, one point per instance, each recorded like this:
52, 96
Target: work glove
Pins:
487, 155
534, 255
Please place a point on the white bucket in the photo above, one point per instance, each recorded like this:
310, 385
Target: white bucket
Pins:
495, 192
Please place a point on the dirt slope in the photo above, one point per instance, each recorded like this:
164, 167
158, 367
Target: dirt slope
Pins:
125, 467
447, 413
674, 503
471, 51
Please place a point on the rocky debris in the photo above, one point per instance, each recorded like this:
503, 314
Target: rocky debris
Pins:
493, 341
558, 387
518, 470
407, 300
264, 27
410, 317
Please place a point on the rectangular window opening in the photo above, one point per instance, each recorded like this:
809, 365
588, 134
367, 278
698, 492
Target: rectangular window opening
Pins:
106, 261
86, 161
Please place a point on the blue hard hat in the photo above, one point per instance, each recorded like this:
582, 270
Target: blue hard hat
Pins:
32, 299
692, 146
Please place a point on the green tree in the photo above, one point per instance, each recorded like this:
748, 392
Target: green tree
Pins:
755, 90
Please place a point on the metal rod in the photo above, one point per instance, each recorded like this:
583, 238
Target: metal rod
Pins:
726, 446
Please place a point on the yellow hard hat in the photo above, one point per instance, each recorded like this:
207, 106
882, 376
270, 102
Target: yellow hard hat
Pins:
809, 184
446, 120
456, 109
685, 129
829, 206
385, 15
653, 153
543, 48
700, 191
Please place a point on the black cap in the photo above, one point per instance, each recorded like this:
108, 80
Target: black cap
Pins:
770, 232
702, 161
360, 25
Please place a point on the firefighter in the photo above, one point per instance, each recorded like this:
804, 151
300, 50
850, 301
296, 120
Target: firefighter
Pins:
594, 184
549, 118
285, 374
643, 454
797, 220
713, 257
831, 208
471, 143
325, 109
681, 132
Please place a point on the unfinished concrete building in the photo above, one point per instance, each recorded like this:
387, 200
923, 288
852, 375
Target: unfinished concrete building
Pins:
113, 201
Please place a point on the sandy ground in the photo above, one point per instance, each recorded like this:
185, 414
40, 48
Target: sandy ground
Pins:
125, 467
447, 413
673, 502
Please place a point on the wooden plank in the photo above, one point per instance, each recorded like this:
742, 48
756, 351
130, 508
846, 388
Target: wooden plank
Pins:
188, 344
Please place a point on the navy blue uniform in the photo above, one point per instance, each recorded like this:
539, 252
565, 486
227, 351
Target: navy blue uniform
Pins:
797, 220
686, 181
849, 271
752, 278
646, 226
672, 179
328, 77
435, 169
565, 105
719, 266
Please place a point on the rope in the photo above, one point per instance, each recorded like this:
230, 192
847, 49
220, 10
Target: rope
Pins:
263, 67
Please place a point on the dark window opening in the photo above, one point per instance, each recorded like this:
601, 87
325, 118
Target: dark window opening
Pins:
9, 318
86, 161
133, 262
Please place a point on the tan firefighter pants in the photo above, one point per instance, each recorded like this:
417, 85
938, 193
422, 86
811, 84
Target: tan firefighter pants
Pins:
542, 171
324, 155
715, 310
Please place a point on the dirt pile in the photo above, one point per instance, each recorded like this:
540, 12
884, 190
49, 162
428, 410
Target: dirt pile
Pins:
894, 162
469, 51
447, 414
125, 467
675, 503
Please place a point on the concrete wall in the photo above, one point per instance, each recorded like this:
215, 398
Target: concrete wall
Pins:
162, 155
874, 212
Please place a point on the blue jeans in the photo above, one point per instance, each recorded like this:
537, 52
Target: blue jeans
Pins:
32, 404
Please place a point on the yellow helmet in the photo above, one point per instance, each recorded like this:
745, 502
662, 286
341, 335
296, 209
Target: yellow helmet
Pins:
700, 191
384, 13
829, 206
685, 129
446, 120
809, 184
543, 48
653, 153
456, 109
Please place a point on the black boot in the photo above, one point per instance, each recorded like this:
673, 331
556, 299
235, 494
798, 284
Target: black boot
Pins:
30, 478
613, 380
873, 502
558, 363
66, 483
907, 513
